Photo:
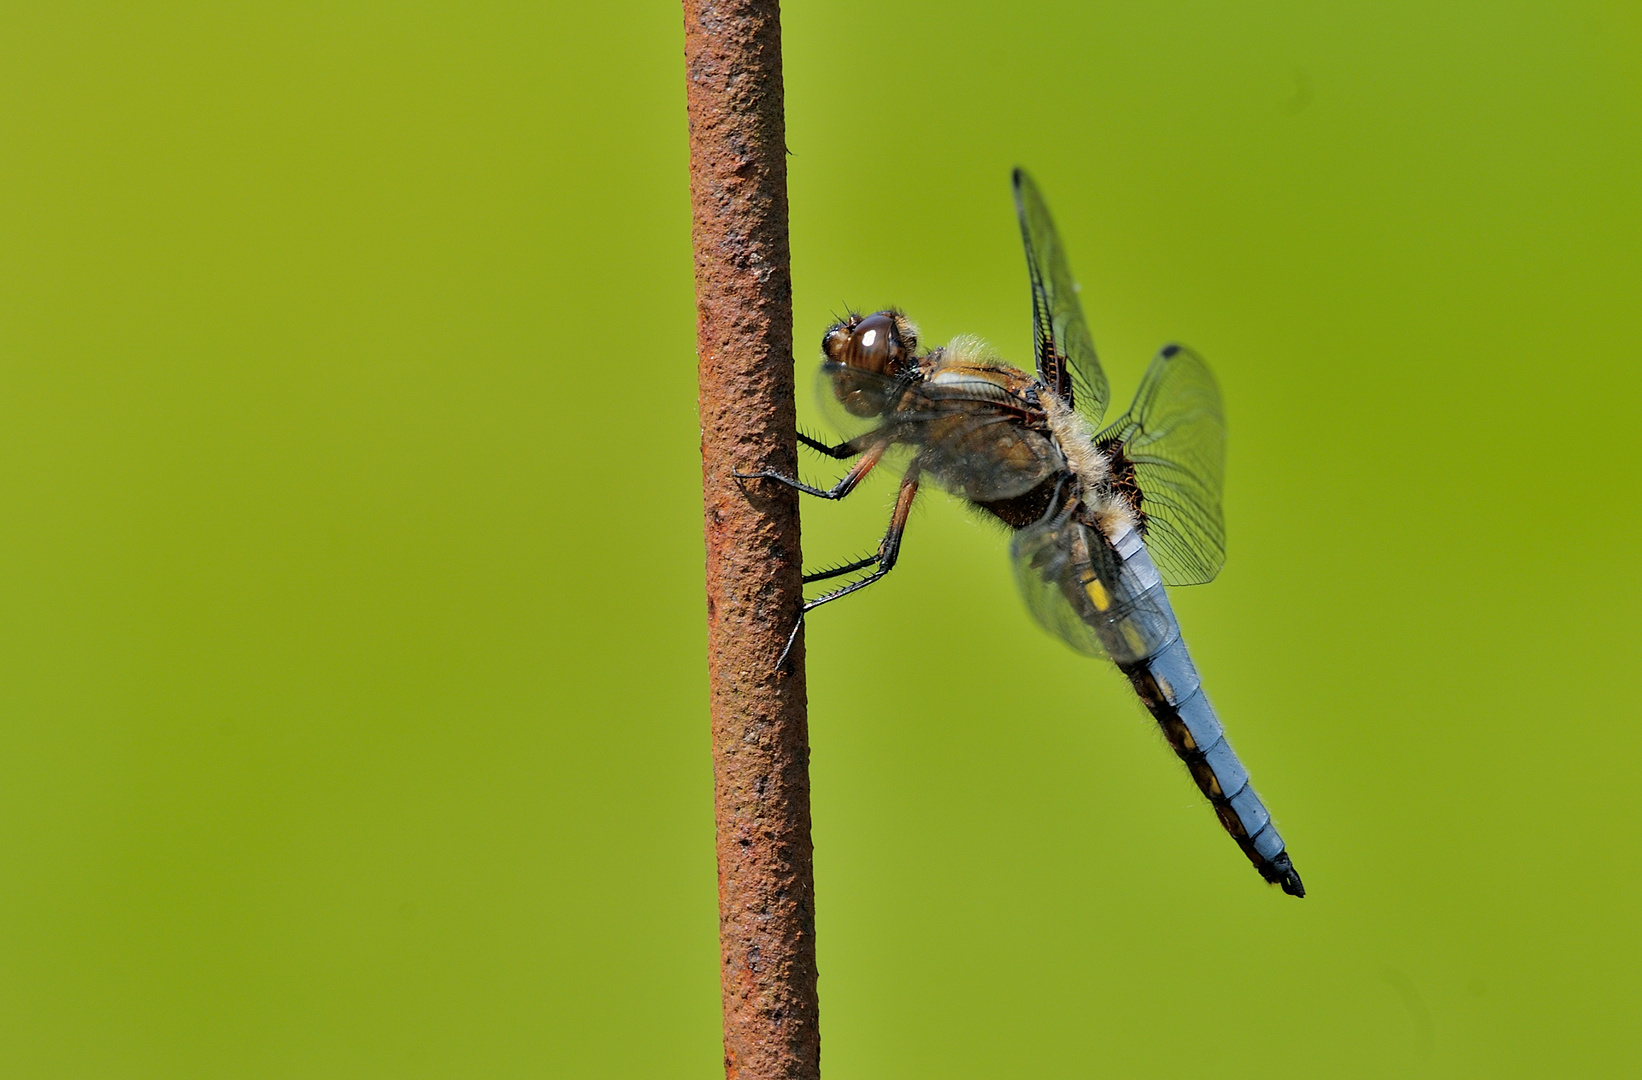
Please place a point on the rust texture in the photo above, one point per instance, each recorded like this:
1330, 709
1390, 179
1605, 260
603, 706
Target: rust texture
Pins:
766, 884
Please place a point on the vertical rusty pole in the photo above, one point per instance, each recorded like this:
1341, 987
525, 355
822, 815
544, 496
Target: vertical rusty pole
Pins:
766, 884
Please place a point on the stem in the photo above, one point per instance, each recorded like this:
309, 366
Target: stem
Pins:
766, 883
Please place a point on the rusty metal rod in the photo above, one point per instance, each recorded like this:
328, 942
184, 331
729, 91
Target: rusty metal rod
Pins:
766, 881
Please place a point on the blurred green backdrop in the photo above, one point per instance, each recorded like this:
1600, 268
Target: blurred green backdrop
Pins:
352, 705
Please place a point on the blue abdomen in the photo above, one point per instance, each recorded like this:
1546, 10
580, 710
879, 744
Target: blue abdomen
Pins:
1139, 631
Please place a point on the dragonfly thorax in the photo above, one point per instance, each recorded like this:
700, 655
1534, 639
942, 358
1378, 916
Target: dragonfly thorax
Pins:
1105, 504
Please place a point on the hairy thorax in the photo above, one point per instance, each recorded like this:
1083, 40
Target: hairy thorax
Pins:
1104, 505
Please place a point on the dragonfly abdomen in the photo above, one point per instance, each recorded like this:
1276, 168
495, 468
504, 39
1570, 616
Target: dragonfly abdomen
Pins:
1168, 684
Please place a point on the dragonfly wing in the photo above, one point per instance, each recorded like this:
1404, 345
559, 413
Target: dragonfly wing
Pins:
856, 401
985, 456
968, 436
1102, 600
1049, 559
1065, 352
1173, 438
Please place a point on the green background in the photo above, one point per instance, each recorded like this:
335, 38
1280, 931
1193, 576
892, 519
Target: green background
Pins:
352, 695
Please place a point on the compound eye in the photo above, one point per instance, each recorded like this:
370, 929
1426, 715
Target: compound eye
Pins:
876, 345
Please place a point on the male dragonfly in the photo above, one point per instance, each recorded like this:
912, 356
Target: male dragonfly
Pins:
1103, 518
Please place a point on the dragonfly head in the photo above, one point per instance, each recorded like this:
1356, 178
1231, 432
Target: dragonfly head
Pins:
884, 344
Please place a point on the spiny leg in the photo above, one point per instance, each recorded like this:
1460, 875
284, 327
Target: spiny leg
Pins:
888, 551
843, 450
848, 568
869, 460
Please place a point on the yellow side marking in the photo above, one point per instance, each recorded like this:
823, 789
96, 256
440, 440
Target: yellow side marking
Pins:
1131, 635
1097, 594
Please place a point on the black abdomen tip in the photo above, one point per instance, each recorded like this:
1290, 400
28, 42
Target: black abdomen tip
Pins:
1282, 872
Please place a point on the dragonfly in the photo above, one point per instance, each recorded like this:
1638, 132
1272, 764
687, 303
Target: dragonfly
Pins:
1103, 518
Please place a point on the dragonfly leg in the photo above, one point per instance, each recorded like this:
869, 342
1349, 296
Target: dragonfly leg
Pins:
842, 450
888, 551
847, 568
869, 459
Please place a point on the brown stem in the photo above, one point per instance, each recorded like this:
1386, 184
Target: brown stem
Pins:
766, 883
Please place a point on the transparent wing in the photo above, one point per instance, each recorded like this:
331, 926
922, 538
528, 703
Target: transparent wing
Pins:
1050, 560
855, 401
983, 455
1085, 593
1066, 353
968, 437
1169, 454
